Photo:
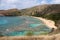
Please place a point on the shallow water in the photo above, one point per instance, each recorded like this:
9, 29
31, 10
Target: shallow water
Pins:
20, 25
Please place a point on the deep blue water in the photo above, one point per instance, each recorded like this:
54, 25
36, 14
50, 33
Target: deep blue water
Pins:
17, 26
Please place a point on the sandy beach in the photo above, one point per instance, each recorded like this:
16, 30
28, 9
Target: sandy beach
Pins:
49, 23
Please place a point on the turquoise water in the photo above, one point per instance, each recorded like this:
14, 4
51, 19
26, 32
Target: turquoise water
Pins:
20, 25
34, 25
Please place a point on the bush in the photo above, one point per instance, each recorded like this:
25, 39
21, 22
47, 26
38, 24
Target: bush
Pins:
29, 33
1, 35
43, 33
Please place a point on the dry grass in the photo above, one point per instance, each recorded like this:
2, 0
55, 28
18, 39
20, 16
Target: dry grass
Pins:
41, 37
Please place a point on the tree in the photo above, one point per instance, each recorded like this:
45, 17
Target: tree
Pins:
53, 16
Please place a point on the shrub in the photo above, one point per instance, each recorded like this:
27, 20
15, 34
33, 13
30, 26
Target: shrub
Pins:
29, 33
1, 35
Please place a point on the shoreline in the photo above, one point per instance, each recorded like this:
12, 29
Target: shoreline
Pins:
49, 23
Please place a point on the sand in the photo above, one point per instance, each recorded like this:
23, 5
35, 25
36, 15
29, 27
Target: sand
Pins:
49, 23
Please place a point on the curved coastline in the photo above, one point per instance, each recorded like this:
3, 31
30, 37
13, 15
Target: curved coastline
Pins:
49, 23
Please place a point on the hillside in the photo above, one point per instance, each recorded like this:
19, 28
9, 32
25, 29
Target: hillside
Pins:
10, 12
40, 9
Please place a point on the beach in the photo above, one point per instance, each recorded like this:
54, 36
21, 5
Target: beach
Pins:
49, 23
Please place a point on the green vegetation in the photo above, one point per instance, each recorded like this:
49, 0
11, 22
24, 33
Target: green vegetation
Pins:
37, 14
43, 33
53, 16
29, 33
14, 13
1, 35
